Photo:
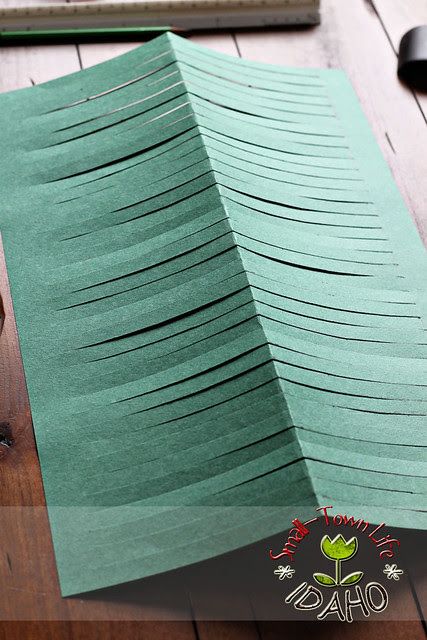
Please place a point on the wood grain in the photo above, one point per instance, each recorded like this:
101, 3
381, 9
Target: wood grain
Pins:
20, 478
215, 630
28, 582
26, 66
397, 17
339, 631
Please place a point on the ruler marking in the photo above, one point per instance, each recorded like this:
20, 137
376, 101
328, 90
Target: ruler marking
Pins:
194, 13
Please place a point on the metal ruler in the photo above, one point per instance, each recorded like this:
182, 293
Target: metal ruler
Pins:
183, 14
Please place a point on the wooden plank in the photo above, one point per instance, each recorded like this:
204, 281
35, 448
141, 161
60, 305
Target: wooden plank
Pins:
397, 17
94, 630
223, 43
218, 598
91, 54
215, 630
400, 630
27, 571
352, 38
24, 66
416, 563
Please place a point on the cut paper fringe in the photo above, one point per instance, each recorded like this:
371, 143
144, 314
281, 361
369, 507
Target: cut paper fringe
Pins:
220, 301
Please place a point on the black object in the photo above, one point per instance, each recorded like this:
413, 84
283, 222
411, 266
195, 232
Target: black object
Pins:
412, 63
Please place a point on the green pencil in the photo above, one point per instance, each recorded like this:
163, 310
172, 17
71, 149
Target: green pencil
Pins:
62, 36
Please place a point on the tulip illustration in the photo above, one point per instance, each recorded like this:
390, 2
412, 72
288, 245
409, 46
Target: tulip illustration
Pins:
338, 550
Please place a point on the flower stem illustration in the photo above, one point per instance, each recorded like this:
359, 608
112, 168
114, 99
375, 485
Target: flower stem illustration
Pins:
338, 550
338, 571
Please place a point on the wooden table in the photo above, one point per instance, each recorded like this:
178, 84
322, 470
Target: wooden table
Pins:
360, 36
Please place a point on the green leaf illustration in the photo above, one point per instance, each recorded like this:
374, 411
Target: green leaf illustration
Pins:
352, 578
324, 580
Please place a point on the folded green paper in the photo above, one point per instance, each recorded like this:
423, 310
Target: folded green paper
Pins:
220, 299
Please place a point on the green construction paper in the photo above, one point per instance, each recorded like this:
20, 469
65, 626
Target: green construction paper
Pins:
220, 299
